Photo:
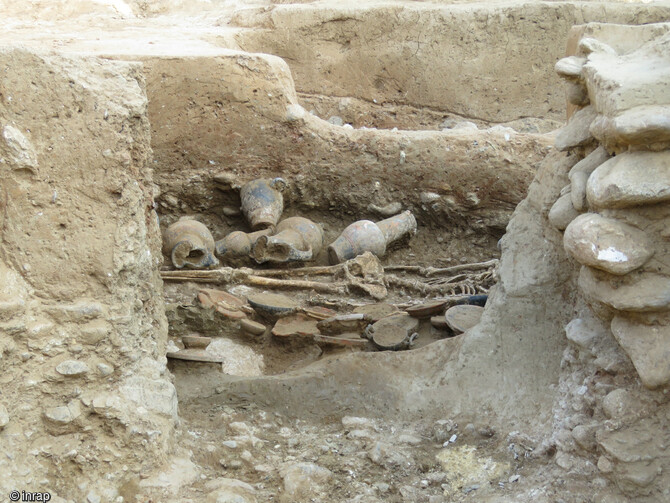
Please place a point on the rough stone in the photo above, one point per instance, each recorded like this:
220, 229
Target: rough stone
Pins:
620, 403
630, 179
607, 244
577, 132
605, 465
65, 414
647, 126
578, 190
581, 334
590, 162
178, 473
585, 436
303, 479
570, 67
4, 416
562, 212
632, 292
357, 423
72, 368
648, 347
225, 490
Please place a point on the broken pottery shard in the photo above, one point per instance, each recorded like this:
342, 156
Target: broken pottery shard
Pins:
72, 368
648, 347
427, 310
377, 311
252, 327
630, 179
195, 341
570, 67
345, 339
262, 202
295, 324
194, 355
607, 244
577, 131
355, 322
393, 332
648, 126
319, 312
562, 212
633, 292
189, 244
439, 322
463, 318
391, 337
225, 303
272, 305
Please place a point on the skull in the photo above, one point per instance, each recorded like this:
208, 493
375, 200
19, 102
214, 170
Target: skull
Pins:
189, 244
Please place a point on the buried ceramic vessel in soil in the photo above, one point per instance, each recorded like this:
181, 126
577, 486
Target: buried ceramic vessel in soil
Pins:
297, 239
189, 244
262, 202
365, 235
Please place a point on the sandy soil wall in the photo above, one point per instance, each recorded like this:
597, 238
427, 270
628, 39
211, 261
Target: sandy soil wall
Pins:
82, 322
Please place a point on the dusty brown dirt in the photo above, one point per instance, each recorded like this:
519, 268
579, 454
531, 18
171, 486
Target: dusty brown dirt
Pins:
139, 112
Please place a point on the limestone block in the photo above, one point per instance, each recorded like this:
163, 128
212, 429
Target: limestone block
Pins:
562, 212
20, 148
585, 436
302, 479
72, 368
590, 162
631, 179
648, 347
4, 416
577, 132
578, 190
582, 334
607, 244
647, 126
570, 67
632, 292
637, 79
588, 45
621, 403
157, 395
225, 490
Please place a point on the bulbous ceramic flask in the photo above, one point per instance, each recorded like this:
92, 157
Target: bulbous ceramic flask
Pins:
365, 235
189, 244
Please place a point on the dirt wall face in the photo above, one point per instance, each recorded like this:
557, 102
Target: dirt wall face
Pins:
82, 323
483, 61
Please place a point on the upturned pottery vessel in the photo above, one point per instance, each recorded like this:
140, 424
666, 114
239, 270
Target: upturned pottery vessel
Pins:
237, 245
365, 235
189, 244
262, 202
297, 239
